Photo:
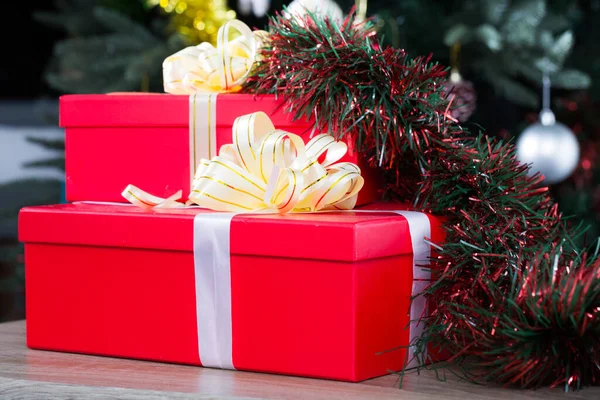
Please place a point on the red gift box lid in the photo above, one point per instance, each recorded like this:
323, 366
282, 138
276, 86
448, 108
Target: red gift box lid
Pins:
341, 236
162, 110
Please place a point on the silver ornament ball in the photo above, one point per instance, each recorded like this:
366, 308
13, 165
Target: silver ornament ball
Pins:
318, 7
551, 148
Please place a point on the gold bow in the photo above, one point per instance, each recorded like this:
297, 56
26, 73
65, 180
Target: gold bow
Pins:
204, 68
266, 169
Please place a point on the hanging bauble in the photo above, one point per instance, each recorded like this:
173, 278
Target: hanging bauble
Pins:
197, 20
464, 100
258, 7
551, 148
462, 92
322, 7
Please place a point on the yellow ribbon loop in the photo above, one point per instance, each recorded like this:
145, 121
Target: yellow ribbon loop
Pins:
204, 68
268, 170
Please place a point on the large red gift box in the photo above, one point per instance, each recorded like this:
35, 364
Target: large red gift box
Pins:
114, 140
319, 295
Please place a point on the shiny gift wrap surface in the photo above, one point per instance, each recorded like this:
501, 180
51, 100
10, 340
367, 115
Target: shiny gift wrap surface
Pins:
321, 295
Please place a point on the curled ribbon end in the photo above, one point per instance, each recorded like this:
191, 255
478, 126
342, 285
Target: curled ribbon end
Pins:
145, 200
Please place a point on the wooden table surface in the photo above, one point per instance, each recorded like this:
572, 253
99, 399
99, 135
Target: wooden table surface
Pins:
34, 374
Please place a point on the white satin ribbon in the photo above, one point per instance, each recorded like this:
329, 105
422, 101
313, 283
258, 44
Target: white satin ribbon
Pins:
212, 238
420, 229
202, 72
202, 128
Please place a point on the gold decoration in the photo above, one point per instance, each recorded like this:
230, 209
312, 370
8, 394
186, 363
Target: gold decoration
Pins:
197, 20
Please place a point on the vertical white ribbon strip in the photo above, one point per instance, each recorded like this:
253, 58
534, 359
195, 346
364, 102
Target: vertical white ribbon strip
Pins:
420, 229
203, 129
213, 288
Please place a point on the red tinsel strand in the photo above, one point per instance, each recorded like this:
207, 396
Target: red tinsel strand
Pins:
501, 226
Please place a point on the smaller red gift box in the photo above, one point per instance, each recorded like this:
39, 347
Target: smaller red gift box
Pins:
322, 295
114, 140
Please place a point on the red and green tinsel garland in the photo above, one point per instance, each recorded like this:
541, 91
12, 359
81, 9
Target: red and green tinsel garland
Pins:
516, 302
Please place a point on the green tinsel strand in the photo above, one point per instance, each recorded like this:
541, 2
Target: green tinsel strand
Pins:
500, 222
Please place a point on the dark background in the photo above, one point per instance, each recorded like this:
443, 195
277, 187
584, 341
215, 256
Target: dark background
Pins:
26, 48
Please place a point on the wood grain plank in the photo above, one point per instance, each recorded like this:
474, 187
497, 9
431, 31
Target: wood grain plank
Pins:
26, 390
26, 373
